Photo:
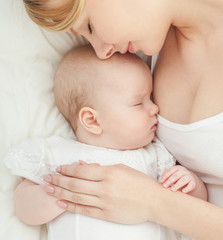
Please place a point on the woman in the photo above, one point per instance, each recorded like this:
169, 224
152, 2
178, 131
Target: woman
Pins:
188, 89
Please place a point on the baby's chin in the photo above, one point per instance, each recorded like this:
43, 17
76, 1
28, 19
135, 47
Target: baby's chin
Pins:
130, 145
137, 146
147, 142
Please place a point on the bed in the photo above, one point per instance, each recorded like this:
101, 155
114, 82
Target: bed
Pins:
28, 58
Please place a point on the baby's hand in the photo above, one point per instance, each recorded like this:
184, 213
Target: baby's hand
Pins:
179, 178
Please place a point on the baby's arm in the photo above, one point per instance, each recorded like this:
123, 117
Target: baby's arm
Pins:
180, 178
33, 205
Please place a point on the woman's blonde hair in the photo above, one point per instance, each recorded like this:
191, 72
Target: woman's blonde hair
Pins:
58, 18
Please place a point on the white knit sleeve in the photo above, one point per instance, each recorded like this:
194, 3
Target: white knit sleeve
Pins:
29, 160
164, 159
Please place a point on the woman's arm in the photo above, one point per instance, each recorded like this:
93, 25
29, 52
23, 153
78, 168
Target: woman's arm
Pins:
121, 194
189, 215
33, 206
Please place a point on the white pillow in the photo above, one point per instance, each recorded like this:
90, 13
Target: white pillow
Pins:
28, 58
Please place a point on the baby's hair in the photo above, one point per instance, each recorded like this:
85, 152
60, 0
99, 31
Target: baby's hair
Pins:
79, 75
73, 83
55, 18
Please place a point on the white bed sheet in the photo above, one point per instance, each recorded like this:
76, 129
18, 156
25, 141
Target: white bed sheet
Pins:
28, 58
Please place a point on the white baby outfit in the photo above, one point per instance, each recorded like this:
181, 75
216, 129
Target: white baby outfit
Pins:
199, 147
36, 157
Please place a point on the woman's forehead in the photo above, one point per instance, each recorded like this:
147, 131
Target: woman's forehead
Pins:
82, 20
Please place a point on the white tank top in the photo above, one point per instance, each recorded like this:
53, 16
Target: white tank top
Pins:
199, 147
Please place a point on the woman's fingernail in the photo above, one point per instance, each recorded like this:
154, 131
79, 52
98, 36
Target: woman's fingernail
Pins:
47, 178
58, 169
49, 189
95, 164
61, 204
82, 162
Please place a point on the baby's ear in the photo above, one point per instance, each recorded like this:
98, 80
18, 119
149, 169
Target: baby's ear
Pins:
89, 120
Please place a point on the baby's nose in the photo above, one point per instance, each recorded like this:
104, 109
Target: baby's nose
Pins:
154, 110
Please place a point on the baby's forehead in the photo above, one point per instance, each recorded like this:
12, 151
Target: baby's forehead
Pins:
105, 73
116, 73
117, 63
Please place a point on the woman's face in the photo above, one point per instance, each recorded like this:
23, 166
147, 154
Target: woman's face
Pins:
120, 26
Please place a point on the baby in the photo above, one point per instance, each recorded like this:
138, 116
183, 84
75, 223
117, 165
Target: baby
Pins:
108, 105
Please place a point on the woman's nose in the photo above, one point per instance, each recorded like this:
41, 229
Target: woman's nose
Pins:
103, 50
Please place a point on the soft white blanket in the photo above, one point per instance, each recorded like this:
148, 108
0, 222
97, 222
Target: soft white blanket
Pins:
28, 58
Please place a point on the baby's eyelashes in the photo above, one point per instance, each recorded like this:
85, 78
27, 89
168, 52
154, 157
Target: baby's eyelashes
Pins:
137, 104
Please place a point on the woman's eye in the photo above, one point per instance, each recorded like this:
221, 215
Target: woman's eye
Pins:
89, 28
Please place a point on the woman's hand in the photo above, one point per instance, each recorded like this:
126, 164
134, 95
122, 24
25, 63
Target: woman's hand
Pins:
115, 193
123, 195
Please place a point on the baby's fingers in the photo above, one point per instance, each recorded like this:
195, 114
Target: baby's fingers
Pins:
183, 181
190, 187
172, 179
168, 173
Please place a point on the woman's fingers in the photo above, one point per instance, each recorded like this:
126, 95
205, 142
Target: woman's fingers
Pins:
78, 179
92, 172
82, 209
77, 198
62, 183
113, 193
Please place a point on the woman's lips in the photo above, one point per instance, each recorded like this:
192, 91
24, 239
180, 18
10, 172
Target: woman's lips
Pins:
130, 48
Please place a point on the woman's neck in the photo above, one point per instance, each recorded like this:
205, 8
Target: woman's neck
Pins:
197, 17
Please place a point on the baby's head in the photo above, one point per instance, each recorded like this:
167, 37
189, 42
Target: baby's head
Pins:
73, 83
106, 102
